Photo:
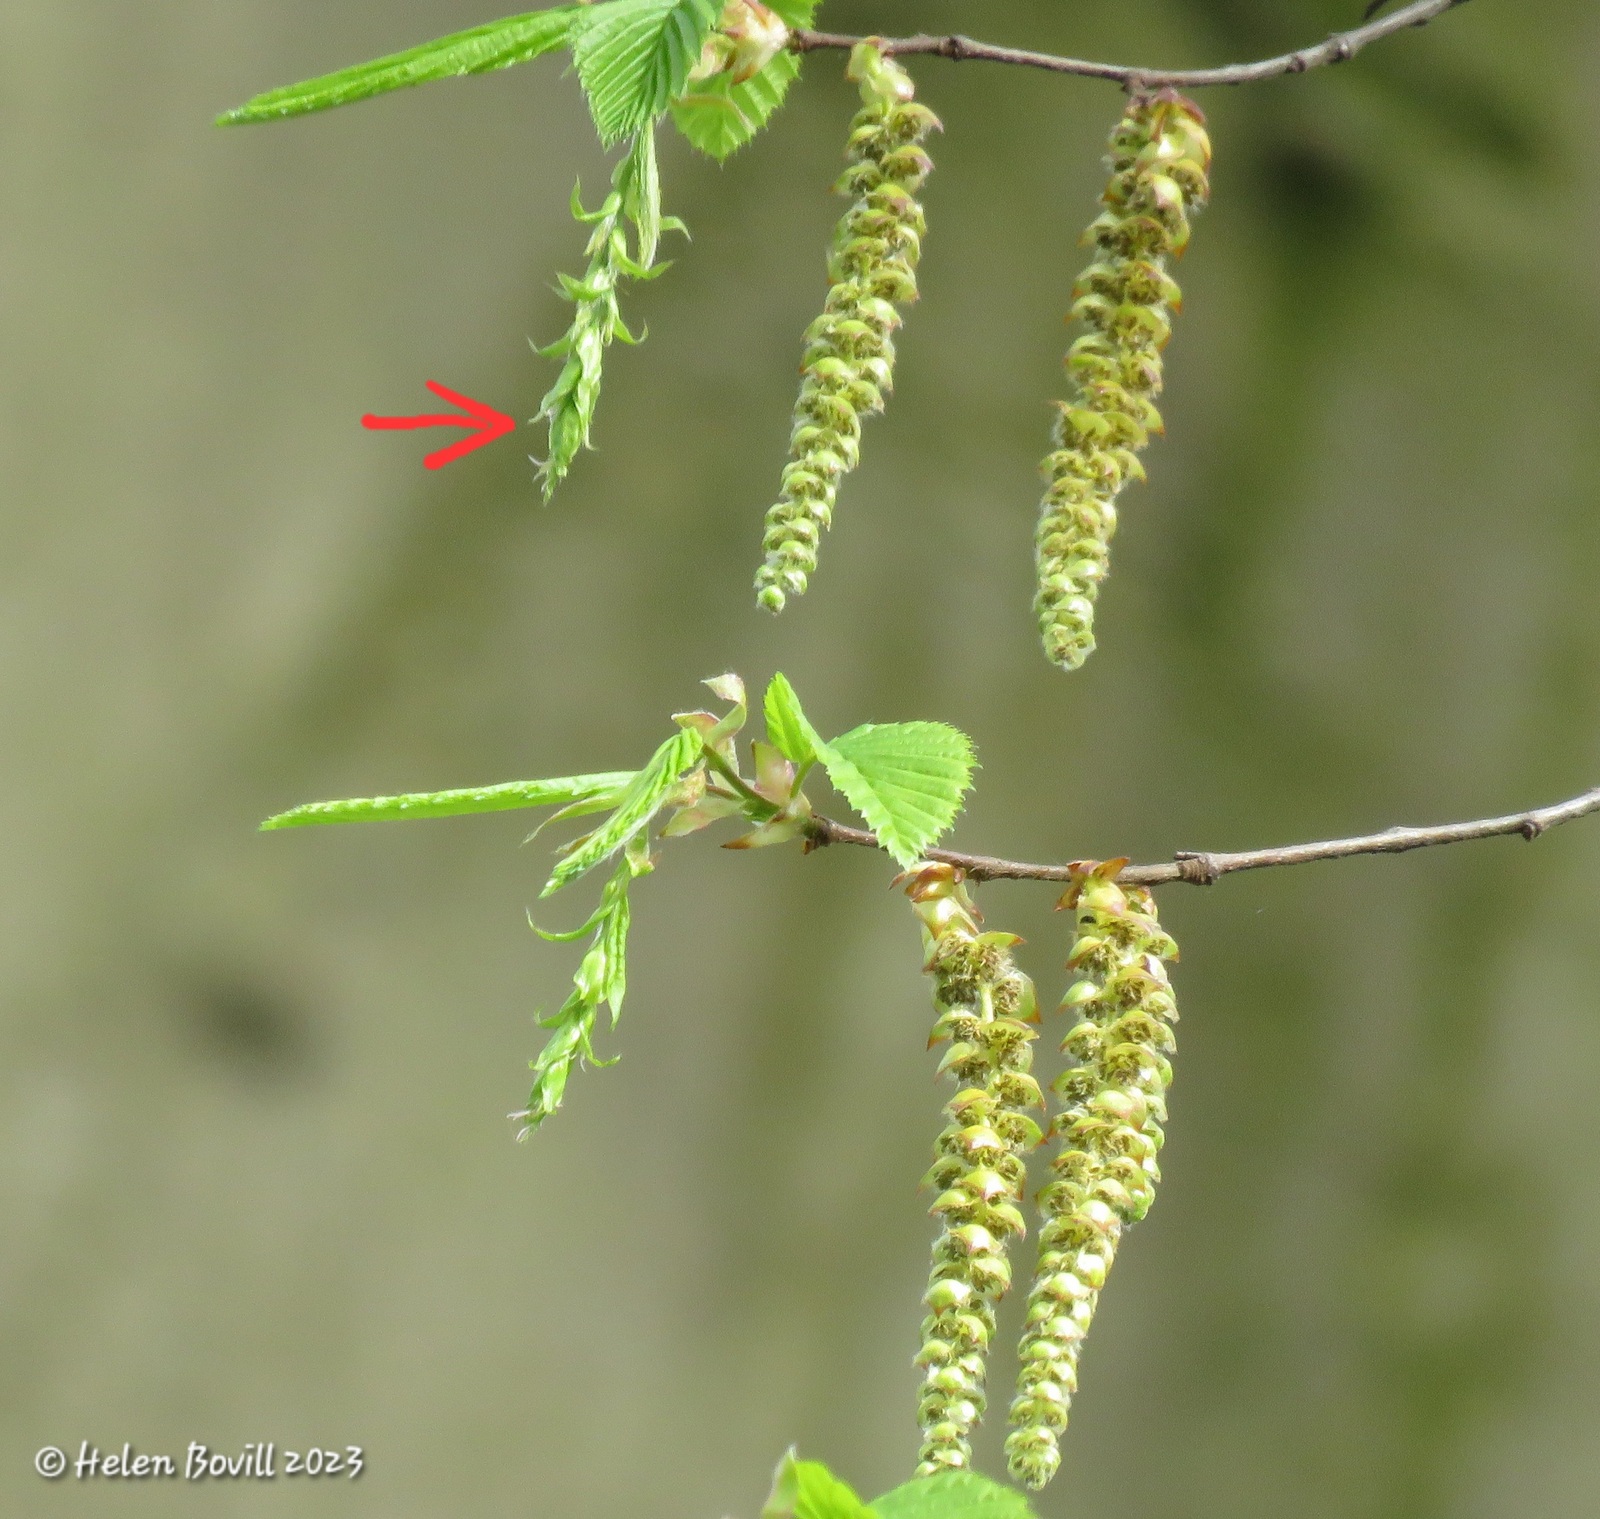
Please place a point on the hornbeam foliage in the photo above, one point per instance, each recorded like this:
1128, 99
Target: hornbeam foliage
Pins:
720, 72
906, 779
720, 69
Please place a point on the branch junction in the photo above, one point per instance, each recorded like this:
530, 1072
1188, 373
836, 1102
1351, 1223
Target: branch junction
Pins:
1338, 48
1202, 869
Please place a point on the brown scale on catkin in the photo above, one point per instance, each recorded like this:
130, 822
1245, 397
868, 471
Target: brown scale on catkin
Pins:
986, 1009
848, 367
1159, 160
1110, 1129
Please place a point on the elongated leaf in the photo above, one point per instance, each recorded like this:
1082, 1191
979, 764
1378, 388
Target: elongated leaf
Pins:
720, 117
787, 729
808, 1490
497, 45
906, 779
634, 57
637, 805
953, 1495
592, 790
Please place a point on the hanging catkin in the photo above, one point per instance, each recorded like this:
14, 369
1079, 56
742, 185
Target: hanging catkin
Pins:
1159, 158
848, 367
1110, 1130
986, 1009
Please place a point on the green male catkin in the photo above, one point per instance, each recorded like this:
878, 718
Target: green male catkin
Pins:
986, 1007
848, 366
1159, 160
1114, 1103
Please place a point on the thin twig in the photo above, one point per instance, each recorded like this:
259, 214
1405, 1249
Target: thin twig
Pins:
1205, 869
1338, 48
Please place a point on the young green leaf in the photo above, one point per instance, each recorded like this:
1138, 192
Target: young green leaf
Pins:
793, 12
634, 57
596, 790
953, 1495
906, 779
719, 117
808, 1490
646, 794
497, 45
788, 731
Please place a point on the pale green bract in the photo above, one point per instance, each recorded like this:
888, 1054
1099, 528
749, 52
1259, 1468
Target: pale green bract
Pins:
496, 45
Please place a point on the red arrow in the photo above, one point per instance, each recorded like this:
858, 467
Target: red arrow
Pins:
486, 424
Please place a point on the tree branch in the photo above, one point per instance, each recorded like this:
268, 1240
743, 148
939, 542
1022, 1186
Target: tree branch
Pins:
1339, 48
1205, 869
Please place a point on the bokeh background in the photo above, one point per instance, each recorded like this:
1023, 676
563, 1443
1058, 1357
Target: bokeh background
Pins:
255, 1178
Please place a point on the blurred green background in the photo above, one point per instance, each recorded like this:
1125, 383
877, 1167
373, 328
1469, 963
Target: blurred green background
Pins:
255, 1178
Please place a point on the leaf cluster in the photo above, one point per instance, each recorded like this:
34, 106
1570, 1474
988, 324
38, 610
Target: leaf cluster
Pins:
906, 779
634, 59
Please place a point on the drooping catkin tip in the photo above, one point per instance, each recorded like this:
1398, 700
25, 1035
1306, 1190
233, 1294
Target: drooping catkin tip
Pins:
769, 598
1032, 1457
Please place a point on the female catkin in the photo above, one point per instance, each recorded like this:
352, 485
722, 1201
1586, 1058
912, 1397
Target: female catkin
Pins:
985, 1006
848, 365
1110, 1129
1159, 160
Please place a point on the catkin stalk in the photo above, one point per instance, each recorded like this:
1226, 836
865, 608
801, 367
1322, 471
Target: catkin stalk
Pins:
1110, 1130
848, 366
986, 1009
1159, 159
